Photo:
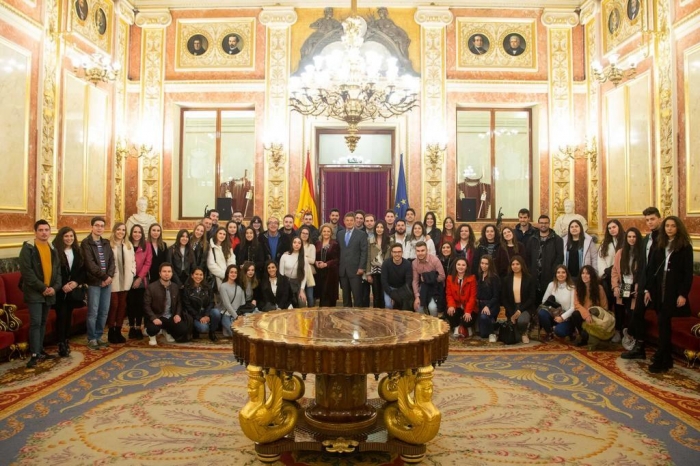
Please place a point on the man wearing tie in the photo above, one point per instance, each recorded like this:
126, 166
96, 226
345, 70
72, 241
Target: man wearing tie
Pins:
353, 257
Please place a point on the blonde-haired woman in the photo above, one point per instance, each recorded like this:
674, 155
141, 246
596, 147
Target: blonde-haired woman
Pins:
124, 271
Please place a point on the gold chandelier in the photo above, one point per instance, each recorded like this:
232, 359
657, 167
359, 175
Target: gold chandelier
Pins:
615, 73
350, 87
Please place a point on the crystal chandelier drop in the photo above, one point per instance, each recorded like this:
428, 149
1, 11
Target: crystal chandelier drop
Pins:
351, 87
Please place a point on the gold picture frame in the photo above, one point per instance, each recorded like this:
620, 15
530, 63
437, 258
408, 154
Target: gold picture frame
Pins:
507, 44
222, 44
92, 20
621, 20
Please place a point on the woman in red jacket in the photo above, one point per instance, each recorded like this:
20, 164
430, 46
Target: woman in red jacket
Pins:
461, 298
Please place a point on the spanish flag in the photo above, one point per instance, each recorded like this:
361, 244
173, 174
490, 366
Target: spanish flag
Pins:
307, 204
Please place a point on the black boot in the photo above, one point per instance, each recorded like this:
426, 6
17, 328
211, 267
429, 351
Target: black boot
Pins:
582, 339
118, 335
195, 334
637, 352
111, 335
212, 336
67, 343
62, 351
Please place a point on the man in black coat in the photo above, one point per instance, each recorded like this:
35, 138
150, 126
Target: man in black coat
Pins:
545, 252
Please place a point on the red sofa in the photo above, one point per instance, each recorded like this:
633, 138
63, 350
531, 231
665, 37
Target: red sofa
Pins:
10, 294
684, 333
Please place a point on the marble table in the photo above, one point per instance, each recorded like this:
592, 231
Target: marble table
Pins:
341, 346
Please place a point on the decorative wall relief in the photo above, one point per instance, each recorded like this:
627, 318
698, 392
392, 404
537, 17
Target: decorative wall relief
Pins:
692, 121
496, 44
663, 92
92, 19
215, 44
592, 37
621, 19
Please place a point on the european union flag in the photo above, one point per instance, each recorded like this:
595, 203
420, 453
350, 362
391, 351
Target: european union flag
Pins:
401, 204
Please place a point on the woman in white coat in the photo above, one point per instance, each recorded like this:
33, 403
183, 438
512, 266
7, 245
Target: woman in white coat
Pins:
220, 255
124, 271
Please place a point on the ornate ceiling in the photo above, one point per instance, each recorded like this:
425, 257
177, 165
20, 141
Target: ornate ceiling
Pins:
204, 4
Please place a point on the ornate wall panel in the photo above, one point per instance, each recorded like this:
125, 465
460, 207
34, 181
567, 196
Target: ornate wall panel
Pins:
16, 75
621, 19
663, 91
691, 59
561, 129
495, 52
278, 21
46, 167
93, 20
433, 21
592, 41
214, 52
153, 25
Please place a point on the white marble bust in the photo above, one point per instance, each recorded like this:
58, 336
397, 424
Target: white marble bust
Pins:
561, 225
141, 217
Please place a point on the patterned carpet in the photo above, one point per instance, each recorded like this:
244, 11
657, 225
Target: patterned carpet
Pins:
530, 404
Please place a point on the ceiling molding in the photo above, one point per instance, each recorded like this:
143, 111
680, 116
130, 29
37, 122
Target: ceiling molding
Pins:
247, 4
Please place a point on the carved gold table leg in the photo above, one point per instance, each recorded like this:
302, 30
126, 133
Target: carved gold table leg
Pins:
264, 418
293, 387
388, 387
413, 418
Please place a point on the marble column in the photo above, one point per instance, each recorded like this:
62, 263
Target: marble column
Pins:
278, 21
151, 103
125, 18
559, 24
433, 21
590, 19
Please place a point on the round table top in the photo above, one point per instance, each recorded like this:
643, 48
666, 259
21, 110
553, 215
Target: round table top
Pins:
340, 340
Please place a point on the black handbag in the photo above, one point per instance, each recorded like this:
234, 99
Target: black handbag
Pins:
507, 333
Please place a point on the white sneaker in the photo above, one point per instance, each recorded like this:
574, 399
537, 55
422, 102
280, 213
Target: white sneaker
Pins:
628, 340
617, 337
169, 338
456, 332
492, 338
152, 341
526, 339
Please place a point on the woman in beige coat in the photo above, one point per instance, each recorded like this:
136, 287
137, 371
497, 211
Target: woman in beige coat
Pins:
125, 269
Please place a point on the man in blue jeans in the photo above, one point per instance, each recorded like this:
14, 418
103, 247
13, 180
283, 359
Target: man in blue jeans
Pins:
41, 279
99, 270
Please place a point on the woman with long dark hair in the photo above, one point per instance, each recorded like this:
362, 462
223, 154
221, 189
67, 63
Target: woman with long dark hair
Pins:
200, 247
309, 250
624, 278
510, 247
669, 278
561, 290
257, 224
250, 250
220, 255
198, 302
488, 297
431, 229
589, 293
159, 251
275, 291
377, 252
448, 231
490, 245
134, 299
464, 244
232, 297
447, 257
613, 241
72, 278
181, 257
327, 262
250, 285
519, 291
293, 265
461, 299
579, 249
232, 234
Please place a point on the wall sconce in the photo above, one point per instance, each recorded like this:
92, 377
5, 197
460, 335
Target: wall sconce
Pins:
615, 73
136, 151
275, 149
579, 151
96, 68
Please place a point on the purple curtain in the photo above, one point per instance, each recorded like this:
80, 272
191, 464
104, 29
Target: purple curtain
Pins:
349, 190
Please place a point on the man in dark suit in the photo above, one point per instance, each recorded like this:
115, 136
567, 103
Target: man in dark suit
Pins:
231, 45
353, 257
477, 46
514, 46
81, 9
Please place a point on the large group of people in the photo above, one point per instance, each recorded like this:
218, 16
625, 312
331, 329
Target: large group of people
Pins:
518, 277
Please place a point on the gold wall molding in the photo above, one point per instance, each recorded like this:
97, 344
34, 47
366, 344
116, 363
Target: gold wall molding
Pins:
433, 21
618, 31
153, 24
664, 92
560, 115
278, 21
213, 32
46, 188
559, 18
589, 19
12, 15
495, 32
125, 18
